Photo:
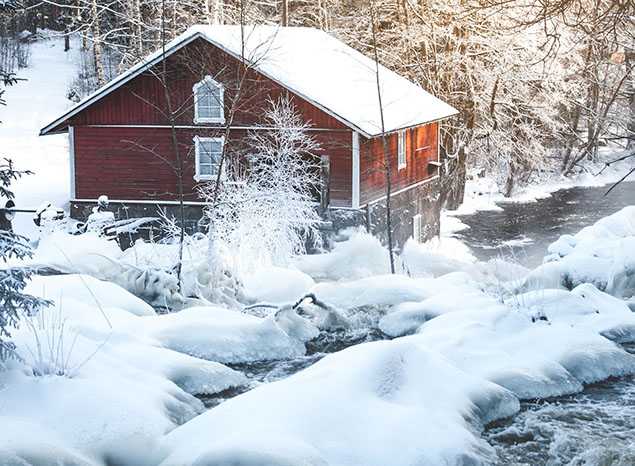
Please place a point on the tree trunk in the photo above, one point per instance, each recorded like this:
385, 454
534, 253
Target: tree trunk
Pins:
97, 50
385, 148
285, 13
630, 124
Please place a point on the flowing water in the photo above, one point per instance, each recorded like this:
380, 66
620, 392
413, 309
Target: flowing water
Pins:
595, 427
525, 229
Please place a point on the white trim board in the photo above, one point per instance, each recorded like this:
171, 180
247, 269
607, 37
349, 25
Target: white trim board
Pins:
355, 171
147, 202
71, 157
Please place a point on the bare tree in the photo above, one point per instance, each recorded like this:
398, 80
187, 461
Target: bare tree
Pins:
386, 162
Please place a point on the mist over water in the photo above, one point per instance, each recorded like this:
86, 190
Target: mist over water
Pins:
525, 230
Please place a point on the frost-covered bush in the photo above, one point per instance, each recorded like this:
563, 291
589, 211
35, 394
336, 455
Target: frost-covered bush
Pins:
268, 215
12, 279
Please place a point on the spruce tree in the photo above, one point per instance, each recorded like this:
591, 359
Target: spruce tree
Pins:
13, 280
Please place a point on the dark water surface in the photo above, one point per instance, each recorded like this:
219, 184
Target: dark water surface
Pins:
524, 230
595, 427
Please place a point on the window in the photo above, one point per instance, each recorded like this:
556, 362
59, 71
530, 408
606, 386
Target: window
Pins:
401, 150
209, 152
208, 101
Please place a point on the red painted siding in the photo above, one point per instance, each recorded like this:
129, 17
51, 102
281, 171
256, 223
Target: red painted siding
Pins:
421, 148
132, 162
135, 163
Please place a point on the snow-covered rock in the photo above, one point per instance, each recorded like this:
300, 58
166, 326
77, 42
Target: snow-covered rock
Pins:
527, 356
602, 254
218, 334
373, 404
360, 255
584, 307
88, 290
405, 318
277, 285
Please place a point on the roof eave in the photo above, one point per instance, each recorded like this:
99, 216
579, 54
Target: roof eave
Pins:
435, 120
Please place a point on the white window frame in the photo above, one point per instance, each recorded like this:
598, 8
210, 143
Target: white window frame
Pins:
208, 83
197, 149
402, 161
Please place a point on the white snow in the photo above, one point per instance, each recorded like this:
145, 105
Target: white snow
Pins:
277, 285
90, 392
30, 105
382, 403
602, 254
226, 336
356, 255
532, 359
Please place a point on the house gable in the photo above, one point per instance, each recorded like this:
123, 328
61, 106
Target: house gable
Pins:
314, 66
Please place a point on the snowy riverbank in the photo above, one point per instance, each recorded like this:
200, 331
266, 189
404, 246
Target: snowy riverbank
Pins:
105, 380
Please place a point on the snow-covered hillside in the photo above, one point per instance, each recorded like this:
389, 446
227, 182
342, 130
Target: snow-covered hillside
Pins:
31, 104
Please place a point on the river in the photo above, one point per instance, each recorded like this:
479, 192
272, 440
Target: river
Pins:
595, 427
525, 229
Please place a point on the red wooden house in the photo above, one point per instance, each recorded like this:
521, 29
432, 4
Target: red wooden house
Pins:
208, 88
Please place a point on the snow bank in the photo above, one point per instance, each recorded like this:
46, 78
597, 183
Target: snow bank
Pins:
87, 253
405, 318
218, 334
447, 255
435, 258
277, 285
584, 307
103, 259
360, 255
531, 358
602, 254
373, 404
95, 391
91, 292
387, 290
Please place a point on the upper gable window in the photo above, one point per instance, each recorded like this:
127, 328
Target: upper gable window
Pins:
208, 101
401, 150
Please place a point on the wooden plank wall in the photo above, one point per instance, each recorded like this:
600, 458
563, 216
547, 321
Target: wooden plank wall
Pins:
119, 161
421, 148
135, 163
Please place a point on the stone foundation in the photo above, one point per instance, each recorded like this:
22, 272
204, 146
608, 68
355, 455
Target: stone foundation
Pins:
422, 201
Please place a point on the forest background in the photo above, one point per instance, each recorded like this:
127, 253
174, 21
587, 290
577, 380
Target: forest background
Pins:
540, 86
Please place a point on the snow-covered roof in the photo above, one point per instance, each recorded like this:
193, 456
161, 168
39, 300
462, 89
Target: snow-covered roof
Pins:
313, 65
